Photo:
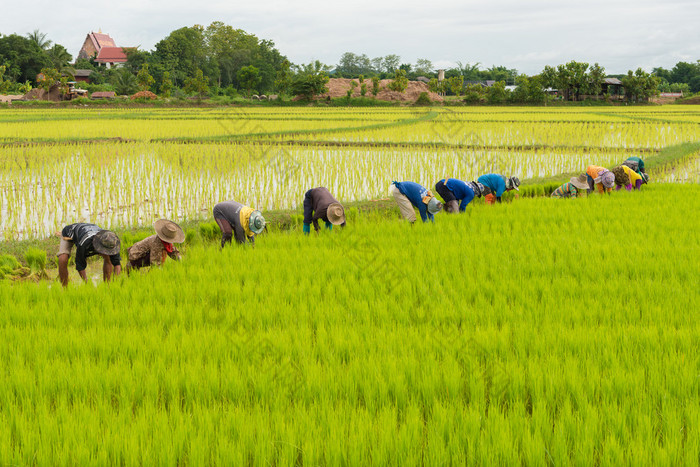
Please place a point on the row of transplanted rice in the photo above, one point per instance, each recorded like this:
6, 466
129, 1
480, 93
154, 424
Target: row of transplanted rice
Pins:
537, 332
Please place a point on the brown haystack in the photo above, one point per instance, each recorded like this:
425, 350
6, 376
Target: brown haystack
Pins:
144, 95
38, 94
338, 87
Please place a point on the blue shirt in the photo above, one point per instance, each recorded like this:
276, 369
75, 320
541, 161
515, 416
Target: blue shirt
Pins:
497, 183
415, 194
461, 190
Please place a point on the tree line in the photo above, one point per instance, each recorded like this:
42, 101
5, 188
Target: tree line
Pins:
221, 60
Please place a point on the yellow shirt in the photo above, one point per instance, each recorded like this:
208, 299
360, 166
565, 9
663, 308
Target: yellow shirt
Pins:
634, 176
245, 220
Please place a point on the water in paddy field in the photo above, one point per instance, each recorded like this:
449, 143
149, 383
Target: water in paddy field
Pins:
136, 189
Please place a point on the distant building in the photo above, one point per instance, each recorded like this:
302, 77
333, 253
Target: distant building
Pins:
82, 76
104, 49
613, 88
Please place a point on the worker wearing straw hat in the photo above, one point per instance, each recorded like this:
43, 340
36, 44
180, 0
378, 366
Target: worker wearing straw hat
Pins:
573, 188
637, 179
496, 185
89, 240
239, 221
458, 194
411, 194
155, 249
599, 178
319, 203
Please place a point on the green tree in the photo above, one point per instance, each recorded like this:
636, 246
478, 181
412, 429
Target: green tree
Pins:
596, 77
375, 85
40, 39
400, 82
144, 78
166, 85
423, 67
455, 84
197, 84
310, 80
249, 77
124, 82
640, 85
24, 58
283, 81
497, 94
50, 77
475, 94
434, 85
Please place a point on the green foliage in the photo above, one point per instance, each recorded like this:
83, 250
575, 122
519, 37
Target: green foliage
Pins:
36, 259
197, 84
640, 85
216, 353
497, 94
454, 84
375, 85
166, 85
209, 231
125, 83
474, 94
144, 78
249, 77
423, 99
400, 81
310, 80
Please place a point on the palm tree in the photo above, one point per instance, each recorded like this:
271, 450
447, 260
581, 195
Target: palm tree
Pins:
125, 82
60, 59
39, 38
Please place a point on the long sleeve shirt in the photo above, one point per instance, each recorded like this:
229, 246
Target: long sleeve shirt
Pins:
82, 235
567, 190
462, 192
594, 171
316, 202
415, 194
154, 248
634, 160
496, 183
230, 211
634, 176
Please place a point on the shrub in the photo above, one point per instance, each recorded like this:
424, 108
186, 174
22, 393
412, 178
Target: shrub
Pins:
423, 99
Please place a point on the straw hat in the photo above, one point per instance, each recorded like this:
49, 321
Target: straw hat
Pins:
106, 242
580, 182
256, 222
434, 206
336, 214
169, 231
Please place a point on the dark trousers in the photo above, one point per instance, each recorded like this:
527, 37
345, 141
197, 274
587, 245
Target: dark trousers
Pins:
443, 191
226, 231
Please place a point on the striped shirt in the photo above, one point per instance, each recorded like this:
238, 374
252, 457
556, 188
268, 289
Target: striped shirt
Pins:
567, 190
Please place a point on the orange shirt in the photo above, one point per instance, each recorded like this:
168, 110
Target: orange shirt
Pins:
593, 171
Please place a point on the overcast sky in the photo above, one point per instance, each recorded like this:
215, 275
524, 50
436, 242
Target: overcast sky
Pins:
618, 34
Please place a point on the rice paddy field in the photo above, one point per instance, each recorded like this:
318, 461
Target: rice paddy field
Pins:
535, 332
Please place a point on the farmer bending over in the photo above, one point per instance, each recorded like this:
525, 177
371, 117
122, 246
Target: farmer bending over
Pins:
572, 189
458, 194
235, 219
89, 240
496, 185
155, 249
319, 203
636, 179
599, 178
410, 194
635, 163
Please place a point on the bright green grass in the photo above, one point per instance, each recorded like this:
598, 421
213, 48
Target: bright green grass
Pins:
538, 332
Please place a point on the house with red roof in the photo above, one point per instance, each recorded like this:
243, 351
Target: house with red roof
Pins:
103, 48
